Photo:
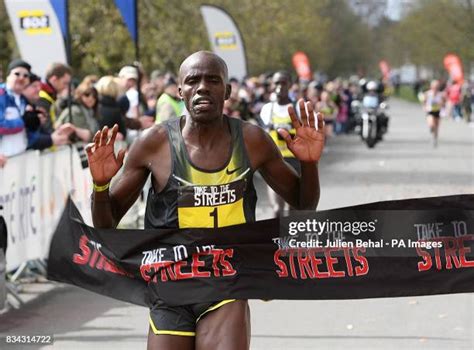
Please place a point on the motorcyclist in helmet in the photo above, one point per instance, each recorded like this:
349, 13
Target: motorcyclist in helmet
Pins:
371, 98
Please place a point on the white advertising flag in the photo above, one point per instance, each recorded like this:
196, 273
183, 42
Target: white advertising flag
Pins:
37, 32
225, 39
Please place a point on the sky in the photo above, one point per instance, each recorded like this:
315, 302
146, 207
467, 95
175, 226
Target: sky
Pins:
373, 10
393, 10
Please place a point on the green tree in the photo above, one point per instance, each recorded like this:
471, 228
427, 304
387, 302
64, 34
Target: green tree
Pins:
348, 43
434, 28
334, 38
8, 49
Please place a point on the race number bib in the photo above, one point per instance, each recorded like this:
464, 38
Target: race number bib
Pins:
211, 206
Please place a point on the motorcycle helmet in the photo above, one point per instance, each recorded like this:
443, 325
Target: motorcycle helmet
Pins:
372, 86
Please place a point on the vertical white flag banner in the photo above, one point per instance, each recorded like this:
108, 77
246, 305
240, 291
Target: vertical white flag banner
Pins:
37, 32
226, 40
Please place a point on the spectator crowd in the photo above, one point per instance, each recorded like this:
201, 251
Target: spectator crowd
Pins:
41, 113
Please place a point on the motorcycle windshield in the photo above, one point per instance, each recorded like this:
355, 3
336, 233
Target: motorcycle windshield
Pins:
370, 101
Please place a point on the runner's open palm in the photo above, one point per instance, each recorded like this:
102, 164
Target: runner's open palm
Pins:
103, 163
308, 143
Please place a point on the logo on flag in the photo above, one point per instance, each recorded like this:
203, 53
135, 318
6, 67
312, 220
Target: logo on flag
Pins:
225, 40
34, 22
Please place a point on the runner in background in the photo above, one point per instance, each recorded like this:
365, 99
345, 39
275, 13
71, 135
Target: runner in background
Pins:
329, 109
274, 115
433, 103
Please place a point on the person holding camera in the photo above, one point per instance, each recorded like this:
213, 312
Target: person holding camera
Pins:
36, 116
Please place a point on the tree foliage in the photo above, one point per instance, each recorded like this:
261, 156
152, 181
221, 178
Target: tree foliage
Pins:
431, 30
8, 48
336, 40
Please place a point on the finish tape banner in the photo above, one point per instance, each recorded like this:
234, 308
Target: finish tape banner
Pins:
387, 249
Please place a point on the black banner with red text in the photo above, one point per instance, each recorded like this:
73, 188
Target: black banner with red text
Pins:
387, 249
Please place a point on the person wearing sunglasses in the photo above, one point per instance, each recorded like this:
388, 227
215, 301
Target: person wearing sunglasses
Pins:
83, 113
13, 139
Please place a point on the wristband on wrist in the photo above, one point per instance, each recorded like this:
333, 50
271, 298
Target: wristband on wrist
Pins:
101, 188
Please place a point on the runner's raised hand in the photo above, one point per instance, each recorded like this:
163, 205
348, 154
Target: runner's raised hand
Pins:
308, 143
103, 163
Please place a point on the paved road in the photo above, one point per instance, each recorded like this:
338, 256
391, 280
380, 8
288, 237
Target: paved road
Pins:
404, 165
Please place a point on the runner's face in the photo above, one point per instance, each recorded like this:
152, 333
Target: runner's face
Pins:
280, 86
203, 88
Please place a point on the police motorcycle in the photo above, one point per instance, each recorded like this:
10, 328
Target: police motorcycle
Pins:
370, 114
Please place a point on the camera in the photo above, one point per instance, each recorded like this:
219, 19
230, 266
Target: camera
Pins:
31, 120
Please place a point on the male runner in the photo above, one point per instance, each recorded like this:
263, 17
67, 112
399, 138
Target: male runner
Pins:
433, 103
186, 156
274, 116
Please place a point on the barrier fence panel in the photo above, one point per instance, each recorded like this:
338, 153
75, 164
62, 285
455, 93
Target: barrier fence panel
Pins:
33, 190
55, 175
82, 184
20, 197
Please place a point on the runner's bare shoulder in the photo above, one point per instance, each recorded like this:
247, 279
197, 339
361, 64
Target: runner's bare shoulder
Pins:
260, 147
153, 137
152, 143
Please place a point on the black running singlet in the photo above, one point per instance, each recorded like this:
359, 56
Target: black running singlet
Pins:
195, 197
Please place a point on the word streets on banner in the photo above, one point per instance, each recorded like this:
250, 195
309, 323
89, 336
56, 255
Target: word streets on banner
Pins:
169, 264
92, 256
320, 263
